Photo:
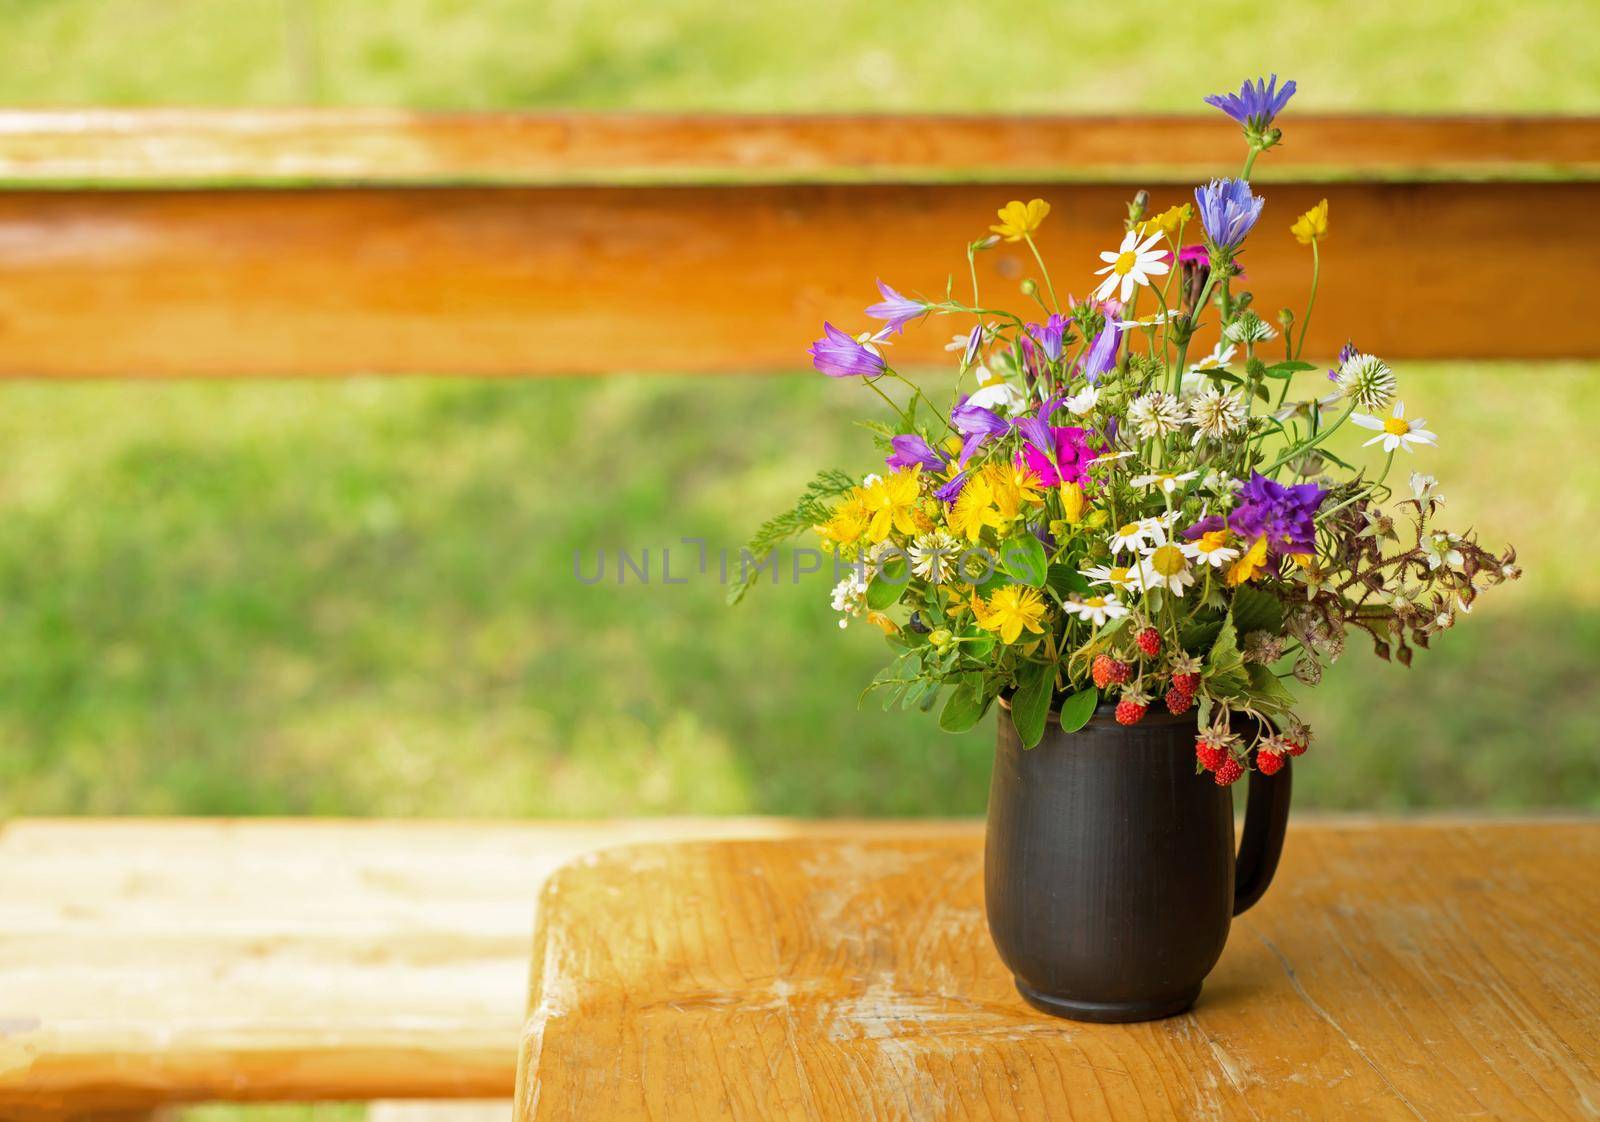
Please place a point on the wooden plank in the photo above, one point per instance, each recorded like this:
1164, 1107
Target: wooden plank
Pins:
708, 279
145, 962
1399, 972
391, 147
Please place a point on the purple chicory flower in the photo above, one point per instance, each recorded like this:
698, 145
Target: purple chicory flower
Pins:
896, 310
1102, 354
1256, 104
909, 449
977, 424
1228, 211
1072, 456
951, 491
1285, 516
839, 356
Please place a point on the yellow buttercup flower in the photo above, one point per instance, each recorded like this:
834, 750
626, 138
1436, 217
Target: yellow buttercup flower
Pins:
1168, 222
1312, 225
848, 521
893, 503
1009, 610
1018, 219
1248, 567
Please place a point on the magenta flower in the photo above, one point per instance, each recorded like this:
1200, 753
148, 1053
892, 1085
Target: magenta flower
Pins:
896, 310
839, 356
912, 449
1072, 455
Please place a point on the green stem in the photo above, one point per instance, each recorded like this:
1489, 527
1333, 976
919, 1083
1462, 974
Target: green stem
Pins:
1316, 269
1311, 443
1045, 272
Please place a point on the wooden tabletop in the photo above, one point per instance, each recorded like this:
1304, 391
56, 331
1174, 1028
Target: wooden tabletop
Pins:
1433, 970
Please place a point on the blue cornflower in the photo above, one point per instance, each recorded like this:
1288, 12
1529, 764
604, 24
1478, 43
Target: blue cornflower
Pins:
1228, 211
1256, 104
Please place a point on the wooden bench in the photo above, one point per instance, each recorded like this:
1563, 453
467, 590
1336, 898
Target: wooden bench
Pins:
145, 963
1419, 970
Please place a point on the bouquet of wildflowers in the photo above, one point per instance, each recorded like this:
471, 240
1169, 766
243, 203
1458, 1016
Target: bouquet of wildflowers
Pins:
1110, 511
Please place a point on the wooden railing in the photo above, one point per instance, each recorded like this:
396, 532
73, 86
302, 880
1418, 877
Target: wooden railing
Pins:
164, 243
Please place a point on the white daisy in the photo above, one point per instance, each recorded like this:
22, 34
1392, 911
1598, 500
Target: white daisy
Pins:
999, 395
1096, 609
1165, 566
1394, 431
1156, 414
1123, 578
1219, 357
1134, 263
1082, 403
1165, 481
1215, 414
1211, 549
1132, 537
1147, 321
934, 556
1366, 380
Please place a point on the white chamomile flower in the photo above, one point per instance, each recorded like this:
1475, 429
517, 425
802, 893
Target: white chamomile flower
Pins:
1132, 536
1425, 489
1319, 408
1082, 403
1211, 549
934, 556
850, 598
1215, 413
1134, 263
998, 394
1096, 609
1166, 567
1147, 321
1249, 328
1156, 414
1219, 357
1366, 380
1123, 578
1394, 431
1165, 481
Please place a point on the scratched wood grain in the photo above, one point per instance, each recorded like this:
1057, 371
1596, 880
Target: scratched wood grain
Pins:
1404, 971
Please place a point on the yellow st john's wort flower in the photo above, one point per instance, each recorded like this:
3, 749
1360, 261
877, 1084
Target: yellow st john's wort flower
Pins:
973, 509
1168, 222
1012, 485
1019, 219
1009, 610
1248, 567
1312, 225
893, 503
848, 521
1072, 503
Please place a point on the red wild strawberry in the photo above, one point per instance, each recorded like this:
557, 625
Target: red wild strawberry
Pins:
1108, 671
1294, 747
1149, 641
1130, 710
1178, 702
1208, 752
1269, 763
1228, 772
1187, 682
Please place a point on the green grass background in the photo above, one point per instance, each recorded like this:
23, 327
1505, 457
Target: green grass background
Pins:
356, 597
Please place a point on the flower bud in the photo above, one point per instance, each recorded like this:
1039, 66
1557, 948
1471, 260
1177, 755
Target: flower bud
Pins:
1028, 287
1285, 318
941, 638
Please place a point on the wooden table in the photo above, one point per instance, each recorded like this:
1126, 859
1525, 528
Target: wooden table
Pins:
1433, 970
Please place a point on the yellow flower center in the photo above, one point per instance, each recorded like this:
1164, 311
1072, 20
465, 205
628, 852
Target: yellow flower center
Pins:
1129, 530
1168, 560
1397, 426
1095, 602
1119, 576
1125, 262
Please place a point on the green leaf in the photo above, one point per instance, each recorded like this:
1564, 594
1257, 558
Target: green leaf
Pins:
1198, 634
888, 586
1267, 689
964, 708
1065, 580
1255, 610
1224, 663
1030, 705
1077, 709
1288, 369
1023, 557
978, 645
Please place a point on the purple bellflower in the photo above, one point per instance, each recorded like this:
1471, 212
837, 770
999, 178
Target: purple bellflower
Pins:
912, 449
839, 356
896, 310
977, 424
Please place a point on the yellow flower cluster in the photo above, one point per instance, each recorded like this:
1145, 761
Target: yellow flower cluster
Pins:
1168, 222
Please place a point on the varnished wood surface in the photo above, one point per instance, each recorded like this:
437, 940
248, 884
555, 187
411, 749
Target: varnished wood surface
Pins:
383, 146
485, 281
145, 962
1434, 971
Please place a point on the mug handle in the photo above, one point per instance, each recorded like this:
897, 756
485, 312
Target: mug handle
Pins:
1266, 817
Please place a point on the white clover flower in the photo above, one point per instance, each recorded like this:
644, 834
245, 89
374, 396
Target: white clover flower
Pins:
1215, 414
1249, 328
934, 556
1367, 381
1395, 431
1156, 414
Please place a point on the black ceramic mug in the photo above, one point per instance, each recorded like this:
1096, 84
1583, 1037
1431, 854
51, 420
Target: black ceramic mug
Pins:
1110, 876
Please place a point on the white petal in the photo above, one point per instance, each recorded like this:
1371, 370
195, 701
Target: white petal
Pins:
1367, 422
1107, 255
1376, 439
